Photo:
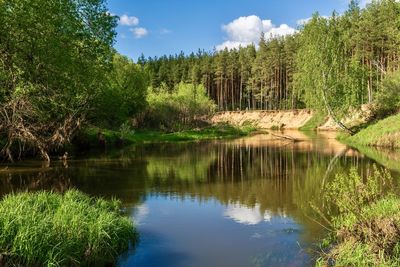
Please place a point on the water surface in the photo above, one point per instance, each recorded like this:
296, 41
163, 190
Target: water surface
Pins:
238, 203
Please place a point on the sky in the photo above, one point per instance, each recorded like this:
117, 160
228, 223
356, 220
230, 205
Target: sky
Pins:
165, 27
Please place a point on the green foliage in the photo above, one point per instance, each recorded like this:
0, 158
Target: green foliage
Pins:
384, 133
125, 97
317, 120
331, 64
50, 229
54, 58
179, 108
88, 136
387, 99
367, 221
349, 193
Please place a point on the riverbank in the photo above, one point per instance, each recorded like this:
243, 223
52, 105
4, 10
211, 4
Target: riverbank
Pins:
366, 229
384, 133
70, 229
265, 119
89, 137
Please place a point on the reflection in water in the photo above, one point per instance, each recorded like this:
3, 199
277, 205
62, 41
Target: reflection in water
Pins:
246, 215
223, 203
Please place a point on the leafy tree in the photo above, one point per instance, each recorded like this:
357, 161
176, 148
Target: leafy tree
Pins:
179, 108
54, 58
124, 97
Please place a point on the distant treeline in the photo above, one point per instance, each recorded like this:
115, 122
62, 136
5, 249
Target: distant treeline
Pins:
340, 60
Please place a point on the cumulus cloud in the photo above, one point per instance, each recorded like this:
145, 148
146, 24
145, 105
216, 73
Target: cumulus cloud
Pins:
247, 30
139, 32
128, 21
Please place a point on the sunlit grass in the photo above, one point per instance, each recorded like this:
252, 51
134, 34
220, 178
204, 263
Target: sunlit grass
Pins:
51, 229
317, 120
384, 133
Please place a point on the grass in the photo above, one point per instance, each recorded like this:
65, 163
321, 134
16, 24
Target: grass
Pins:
89, 135
366, 227
384, 133
70, 229
317, 120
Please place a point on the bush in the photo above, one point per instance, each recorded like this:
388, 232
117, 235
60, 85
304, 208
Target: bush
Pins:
387, 100
50, 229
124, 97
366, 227
179, 108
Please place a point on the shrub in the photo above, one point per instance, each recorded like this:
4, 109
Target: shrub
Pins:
179, 108
387, 100
366, 227
50, 229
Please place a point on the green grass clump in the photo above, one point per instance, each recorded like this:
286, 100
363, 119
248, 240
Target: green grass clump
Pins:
384, 133
317, 120
366, 224
70, 229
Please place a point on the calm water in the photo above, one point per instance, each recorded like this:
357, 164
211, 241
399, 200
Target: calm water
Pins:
221, 203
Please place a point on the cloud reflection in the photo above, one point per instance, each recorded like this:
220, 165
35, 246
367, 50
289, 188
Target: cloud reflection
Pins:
140, 213
245, 215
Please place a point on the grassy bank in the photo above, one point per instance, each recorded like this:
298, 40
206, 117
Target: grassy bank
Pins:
71, 229
366, 228
384, 133
317, 120
89, 136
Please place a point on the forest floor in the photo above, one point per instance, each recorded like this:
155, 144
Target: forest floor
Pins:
88, 138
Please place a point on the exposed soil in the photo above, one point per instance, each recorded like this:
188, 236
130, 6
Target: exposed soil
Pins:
286, 119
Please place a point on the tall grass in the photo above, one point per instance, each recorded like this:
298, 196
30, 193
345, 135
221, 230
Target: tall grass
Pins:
51, 229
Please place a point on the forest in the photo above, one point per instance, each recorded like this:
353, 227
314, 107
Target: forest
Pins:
59, 73
345, 57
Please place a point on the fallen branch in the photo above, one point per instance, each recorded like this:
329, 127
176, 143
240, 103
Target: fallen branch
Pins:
286, 137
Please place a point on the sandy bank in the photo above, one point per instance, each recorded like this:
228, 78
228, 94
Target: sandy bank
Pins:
288, 119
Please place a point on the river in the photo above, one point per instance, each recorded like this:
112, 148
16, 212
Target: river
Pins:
242, 202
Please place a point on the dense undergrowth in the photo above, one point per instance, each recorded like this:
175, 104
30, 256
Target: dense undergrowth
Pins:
70, 229
365, 221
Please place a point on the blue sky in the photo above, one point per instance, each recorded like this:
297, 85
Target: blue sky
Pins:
158, 27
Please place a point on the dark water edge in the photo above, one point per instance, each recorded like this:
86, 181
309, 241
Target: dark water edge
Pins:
240, 202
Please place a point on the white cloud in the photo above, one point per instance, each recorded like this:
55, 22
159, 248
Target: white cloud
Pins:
231, 45
246, 30
139, 32
302, 22
128, 21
